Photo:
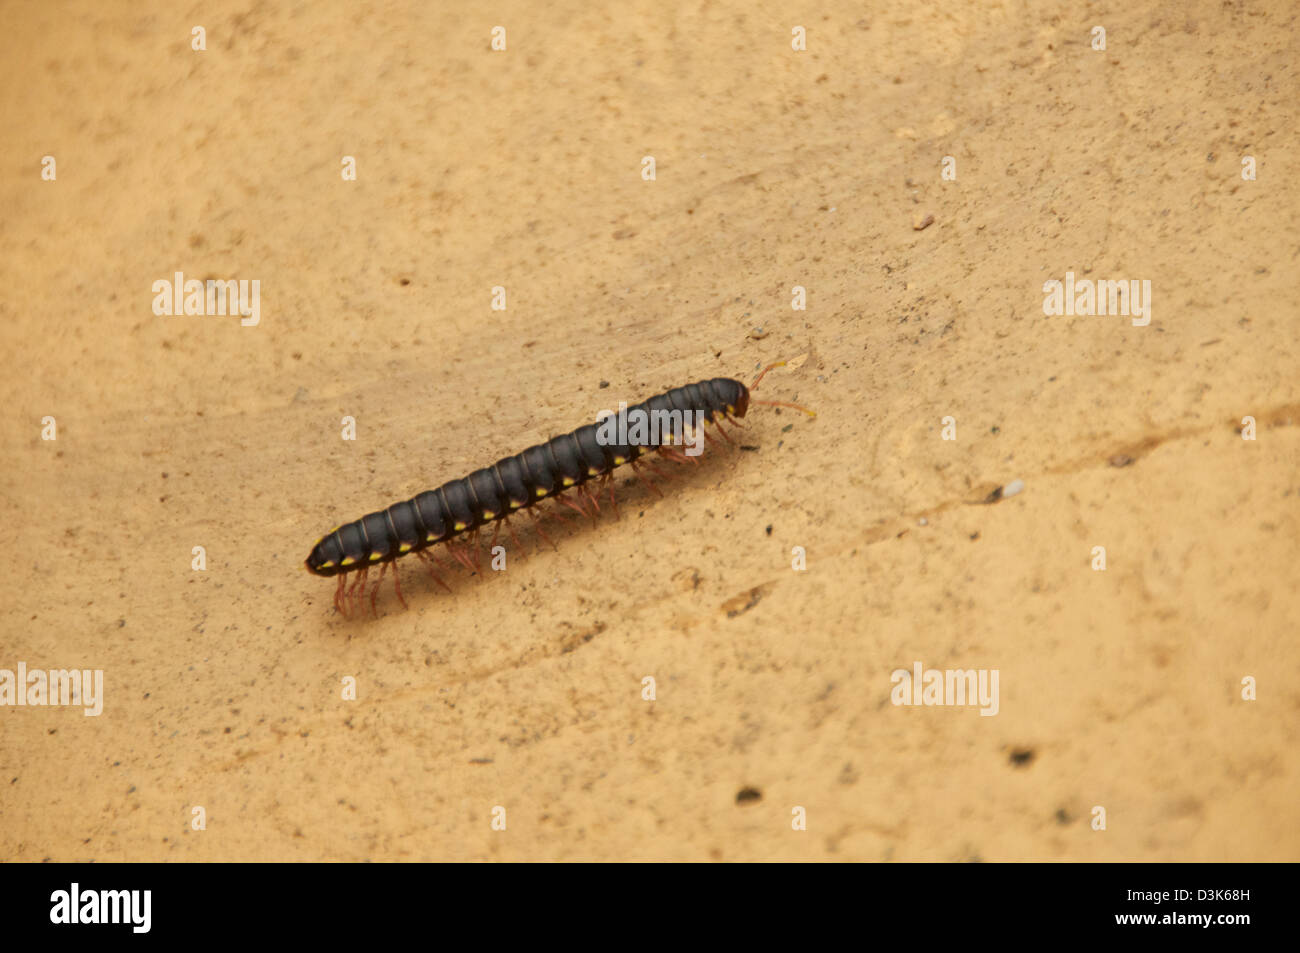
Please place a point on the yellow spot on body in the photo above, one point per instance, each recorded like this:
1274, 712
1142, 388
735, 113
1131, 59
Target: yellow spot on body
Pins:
375, 557
515, 504
568, 482
405, 548
592, 471
328, 564
460, 526
430, 538
489, 516
348, 561
540, 491
619, 461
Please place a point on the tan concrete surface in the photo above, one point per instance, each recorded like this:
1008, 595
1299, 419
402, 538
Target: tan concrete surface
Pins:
774, 168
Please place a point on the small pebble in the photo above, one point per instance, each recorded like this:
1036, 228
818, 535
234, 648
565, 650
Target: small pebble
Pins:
1012, 488
919, 222
923, 522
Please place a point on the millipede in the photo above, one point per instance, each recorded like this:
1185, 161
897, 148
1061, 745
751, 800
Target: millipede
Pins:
455, 512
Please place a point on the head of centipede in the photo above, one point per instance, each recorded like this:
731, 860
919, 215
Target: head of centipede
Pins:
738, 406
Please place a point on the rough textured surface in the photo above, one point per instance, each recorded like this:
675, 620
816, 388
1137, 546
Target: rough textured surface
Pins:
775, 168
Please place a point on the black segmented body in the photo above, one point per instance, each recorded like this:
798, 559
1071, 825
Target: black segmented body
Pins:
515, 483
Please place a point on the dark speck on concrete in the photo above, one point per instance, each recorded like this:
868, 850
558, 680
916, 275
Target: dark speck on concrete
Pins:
1022, 757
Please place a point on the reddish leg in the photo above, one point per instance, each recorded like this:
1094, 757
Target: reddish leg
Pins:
397, 587
338, 596
511, 530
672, 453
430, 561
352, 595
578, 507
460, 556
609, 479
475, 550
636, 468
541, 532
700, 431
374, 593
562, 499
657, 472
591, 498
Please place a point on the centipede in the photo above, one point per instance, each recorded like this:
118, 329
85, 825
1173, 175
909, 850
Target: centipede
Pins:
564, 469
